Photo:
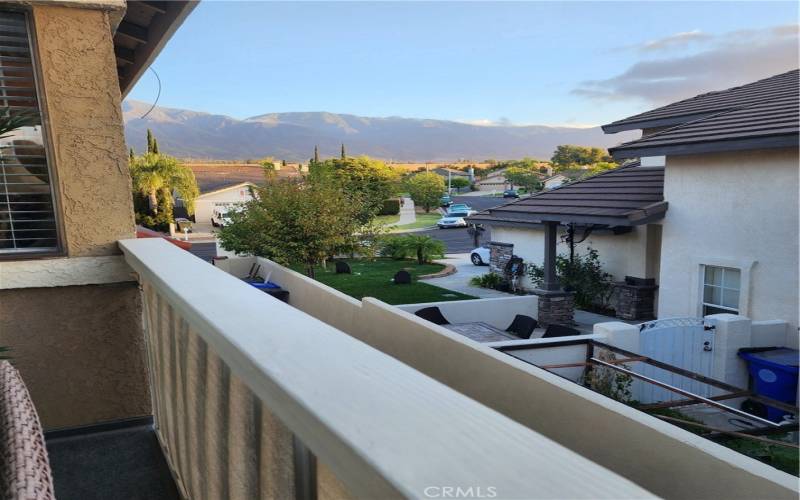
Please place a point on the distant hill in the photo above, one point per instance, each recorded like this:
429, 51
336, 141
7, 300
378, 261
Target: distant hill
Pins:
292, 136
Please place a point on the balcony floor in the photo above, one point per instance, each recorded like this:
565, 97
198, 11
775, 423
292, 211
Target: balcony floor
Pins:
123, 463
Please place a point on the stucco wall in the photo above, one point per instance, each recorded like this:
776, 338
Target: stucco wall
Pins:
736, 210
621, 255
81, 104
80, 351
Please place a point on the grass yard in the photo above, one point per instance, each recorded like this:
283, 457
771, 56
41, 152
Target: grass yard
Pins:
387, 220
374, 279
423, 220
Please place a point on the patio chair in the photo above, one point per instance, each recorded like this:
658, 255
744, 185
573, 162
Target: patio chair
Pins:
432, 314
522, 326
343, 268
402, 277
559, 331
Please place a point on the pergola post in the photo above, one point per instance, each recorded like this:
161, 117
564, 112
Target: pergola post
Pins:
550, 278
555, 306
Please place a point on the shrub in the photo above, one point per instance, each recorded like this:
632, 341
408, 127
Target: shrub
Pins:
422, 248
488, 280
390, 207
393, 247
584, 276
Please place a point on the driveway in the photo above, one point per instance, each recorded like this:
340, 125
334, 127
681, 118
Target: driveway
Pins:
459, 282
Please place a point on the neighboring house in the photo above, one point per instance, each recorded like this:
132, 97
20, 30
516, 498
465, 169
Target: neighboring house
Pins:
494, 181
555, 181
603, 214
728, 242
225, 185
453, 173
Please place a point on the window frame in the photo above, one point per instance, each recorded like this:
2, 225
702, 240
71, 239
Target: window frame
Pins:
703, 284
60, 249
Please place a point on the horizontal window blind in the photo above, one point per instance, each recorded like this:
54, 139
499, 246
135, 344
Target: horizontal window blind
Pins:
27, 214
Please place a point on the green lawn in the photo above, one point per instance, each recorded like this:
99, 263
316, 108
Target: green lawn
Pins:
387, 220
374, 279
423, 220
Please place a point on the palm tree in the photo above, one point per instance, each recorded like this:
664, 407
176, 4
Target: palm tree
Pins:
10, 123
424, 248
152, 173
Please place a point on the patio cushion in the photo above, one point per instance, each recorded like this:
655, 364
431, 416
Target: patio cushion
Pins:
24, 467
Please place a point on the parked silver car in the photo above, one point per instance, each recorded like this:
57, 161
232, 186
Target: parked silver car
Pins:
453, 219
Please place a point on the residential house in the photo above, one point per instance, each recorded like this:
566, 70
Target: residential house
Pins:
494, 181
555, 180
728, 240
157, 375
224, 185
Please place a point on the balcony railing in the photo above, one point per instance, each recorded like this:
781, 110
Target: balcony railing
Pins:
249, 393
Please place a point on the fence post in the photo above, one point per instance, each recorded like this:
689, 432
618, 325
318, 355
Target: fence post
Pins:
619, 334
732, 332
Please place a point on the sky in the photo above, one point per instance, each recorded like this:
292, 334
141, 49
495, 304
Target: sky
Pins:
551, 63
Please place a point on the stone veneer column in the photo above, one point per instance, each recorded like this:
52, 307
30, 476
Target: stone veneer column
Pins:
635, 299
499, 255
555, 307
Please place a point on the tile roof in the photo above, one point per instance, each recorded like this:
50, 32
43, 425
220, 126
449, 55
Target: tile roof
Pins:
626, 196
212, 177
711, 103
769, 124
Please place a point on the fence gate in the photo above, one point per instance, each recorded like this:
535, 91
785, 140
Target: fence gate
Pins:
687, 343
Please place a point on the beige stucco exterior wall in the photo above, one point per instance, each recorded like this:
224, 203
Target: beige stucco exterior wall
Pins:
74, 324
735, 210
621, 255
79, 351
81, 104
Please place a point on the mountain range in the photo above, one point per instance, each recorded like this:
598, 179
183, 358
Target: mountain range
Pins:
292, 136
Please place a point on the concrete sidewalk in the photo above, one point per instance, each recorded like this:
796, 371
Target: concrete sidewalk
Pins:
459, 282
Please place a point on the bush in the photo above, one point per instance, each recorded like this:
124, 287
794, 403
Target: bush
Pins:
422, 248
390, 207
393, 247
584, 276
488, 280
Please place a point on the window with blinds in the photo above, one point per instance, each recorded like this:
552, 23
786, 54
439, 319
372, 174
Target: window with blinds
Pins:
27, 214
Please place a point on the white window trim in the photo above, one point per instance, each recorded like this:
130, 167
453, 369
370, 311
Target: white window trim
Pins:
745, 268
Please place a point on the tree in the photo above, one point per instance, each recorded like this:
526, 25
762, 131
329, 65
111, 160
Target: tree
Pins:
316, 155
526, 178
567, 155
426, 189
294, 223
459, 182
423, 248
150, 140
344, 154
373, 180
131, 155
154, 174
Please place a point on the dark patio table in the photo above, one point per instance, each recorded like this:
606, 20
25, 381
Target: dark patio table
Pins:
480, 332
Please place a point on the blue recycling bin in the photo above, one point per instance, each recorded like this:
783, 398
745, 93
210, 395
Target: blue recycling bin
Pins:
774, 372
261, 285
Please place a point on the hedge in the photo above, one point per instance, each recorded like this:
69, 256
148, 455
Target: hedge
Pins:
390, 207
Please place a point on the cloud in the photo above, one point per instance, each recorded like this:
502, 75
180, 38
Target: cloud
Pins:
727, 60
677, 40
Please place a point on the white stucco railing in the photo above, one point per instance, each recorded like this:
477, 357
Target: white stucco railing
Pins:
237, 375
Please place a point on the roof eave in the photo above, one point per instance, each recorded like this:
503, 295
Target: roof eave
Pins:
622, 125
159, 34
634, 218
632, 150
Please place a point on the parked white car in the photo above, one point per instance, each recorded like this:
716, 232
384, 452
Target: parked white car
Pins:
219, 218
480, 256
453, 219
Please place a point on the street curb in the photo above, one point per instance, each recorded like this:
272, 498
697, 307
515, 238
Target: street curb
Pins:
447, 271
